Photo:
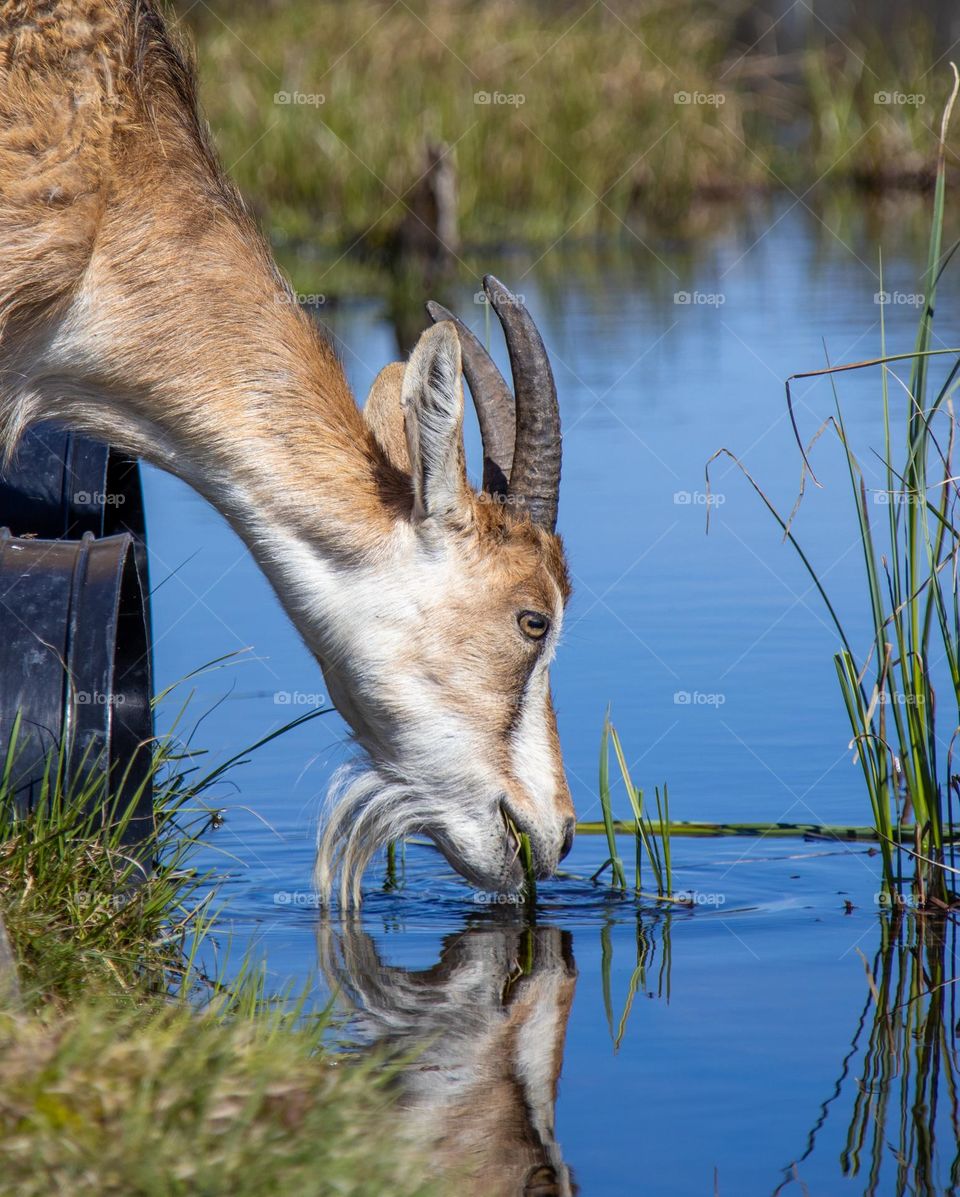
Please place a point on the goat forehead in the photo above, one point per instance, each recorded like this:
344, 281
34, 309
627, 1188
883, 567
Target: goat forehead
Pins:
524, 560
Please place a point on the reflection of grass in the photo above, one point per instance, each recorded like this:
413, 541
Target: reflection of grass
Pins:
599, 137
912, 592
903, 1074
123, 1068
646, 961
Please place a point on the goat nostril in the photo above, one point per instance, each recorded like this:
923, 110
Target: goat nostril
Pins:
568, 829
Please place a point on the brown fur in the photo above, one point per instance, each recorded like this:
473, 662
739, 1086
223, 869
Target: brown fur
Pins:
140, 303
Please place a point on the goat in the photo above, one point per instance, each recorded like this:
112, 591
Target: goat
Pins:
139, 304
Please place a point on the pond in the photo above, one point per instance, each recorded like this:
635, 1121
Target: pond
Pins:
605, 1045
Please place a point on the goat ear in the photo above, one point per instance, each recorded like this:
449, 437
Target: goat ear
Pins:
384, 415
432, 403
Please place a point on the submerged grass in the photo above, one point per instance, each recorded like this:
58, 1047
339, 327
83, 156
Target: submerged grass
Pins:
912, 591
124, 1067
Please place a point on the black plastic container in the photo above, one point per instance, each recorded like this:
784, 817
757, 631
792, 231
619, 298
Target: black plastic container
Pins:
75, 665
75, 635
61, 485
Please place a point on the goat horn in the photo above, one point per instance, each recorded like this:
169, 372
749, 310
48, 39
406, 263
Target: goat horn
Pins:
535, 477
492, 399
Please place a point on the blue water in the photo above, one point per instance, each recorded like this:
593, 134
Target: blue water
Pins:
766, 987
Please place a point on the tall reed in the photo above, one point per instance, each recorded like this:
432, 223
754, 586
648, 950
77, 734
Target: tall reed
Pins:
911, 588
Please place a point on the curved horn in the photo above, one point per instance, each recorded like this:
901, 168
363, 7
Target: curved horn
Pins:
491, 398
535, 477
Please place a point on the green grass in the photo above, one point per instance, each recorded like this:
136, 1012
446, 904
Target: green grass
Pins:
793, 831
161, 1099
599, 145
911, 592
125, 1067
651, 839
87, 910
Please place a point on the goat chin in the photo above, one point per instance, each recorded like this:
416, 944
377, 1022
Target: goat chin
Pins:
367, 808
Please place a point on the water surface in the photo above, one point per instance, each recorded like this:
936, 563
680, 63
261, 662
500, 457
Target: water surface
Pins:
716, 659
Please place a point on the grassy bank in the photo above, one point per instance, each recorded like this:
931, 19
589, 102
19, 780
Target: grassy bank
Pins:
562, 120
124, 1069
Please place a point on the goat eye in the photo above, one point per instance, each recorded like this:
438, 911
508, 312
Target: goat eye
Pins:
533, 624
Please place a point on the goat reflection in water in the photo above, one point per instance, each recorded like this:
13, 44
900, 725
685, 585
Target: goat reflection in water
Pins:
482, 1034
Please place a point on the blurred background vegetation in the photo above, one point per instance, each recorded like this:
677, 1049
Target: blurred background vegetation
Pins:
391, 129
